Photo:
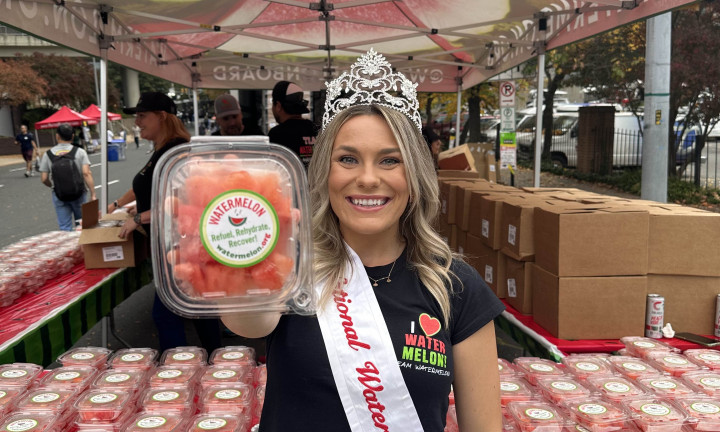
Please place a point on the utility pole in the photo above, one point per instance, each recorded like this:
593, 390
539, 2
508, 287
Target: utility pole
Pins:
657, 108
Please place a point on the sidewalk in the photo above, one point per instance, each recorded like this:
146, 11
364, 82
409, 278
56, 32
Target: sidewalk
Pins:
17, 159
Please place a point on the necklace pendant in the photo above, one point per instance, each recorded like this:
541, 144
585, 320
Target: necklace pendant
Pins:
388, 280
375, 284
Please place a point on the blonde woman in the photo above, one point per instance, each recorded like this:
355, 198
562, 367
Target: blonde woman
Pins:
400, 318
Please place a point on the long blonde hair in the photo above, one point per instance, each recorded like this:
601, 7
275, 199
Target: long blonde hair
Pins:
172, 127
427, 252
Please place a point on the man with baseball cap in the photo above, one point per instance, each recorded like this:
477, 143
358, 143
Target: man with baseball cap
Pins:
293, 131
153, 101
228, 116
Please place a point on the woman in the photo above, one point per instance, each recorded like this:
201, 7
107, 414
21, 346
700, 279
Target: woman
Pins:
155, 116
398, 313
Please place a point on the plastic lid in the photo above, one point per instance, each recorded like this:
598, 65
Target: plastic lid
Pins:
143, 358
666, 386
169, 398
505, 368
514, 388
121, 377
640, 346
227, 398
74, 377
156, 422
704, 357
23, 421
235, 224
672, 363
102, 405
219, 423
10, 395
534, 367
46, 400
536, 415
90, 356
653, 412
596, 414
233, 355
616, 388
18, 374
704, 411
632, 367
174, 375
704, 382
558, 389
218, 374
190, 355
584, 365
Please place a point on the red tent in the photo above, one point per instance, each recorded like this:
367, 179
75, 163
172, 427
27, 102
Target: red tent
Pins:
65, 115
93, 111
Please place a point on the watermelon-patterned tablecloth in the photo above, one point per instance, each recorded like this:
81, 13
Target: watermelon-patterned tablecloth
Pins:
41, 325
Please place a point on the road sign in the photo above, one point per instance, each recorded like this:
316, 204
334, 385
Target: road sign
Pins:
507, 94
508, 150
507, 119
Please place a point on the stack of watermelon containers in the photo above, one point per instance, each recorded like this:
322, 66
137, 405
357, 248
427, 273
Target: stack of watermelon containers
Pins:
135, 389
652, 387
29, 263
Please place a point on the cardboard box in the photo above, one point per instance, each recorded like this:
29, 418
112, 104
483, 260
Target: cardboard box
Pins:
492, 166
457, 158
689, 301
479, 150
447, 199
486, 215
463, 200
516, 229
101, 245
488, 263
461, 242
518, 281
454, 174
684, 243
571, 241
453, 237
589, 307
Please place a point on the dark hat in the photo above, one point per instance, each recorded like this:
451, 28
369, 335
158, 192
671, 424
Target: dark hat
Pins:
226, 105
290, 96
153, 101
65, 131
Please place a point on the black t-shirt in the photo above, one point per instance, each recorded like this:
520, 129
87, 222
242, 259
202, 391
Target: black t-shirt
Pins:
25, 141
301, 394
142, 182
298, 135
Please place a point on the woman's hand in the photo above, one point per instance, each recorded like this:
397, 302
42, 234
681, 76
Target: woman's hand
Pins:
127, 228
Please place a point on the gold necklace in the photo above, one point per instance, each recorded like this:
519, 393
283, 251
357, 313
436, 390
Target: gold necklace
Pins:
386, 278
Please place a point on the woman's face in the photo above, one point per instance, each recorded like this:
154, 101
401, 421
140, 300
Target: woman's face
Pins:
150, 124
367, 185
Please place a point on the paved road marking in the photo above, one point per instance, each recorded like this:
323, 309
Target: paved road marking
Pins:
95, 165
17, 169
109, 183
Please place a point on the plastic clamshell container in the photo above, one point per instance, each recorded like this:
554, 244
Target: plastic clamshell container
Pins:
52, 401
115, 426
103, 405
226, 374
704, 412
168, 399
190, 355
656, 414
514, 388
666, 386
69, 377
585, 365
142, 358
219, 423
87, 356
639, 346
9, 396
174, 375
533, 368
704, 382
146, 421
559, 389
233, 355
598, 415
120, 378
23, 421
632, 367
531, 416
505, 368
260, 375
236, 219
672, 363
18, 374
617, 388
704, 357
227, 398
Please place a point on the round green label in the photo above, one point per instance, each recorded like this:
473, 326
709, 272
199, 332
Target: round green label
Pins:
239, 228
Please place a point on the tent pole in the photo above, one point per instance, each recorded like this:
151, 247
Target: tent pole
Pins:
195, 110
103, 131
456, 142
538, 117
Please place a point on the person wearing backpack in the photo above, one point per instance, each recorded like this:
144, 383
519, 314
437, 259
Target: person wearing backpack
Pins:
66, 170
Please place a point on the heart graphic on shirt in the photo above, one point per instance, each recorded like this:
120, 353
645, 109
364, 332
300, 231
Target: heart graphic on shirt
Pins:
429, 324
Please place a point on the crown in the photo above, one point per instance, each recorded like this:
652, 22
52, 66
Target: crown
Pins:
371, 81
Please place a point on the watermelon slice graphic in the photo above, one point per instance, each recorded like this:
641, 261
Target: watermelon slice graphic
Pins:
237, 221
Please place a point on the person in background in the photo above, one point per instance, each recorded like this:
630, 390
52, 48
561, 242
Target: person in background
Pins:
28, 148
67, 210
433, 141
228, 116
293, 131
136, 136
155, 116
392, 295
110, 135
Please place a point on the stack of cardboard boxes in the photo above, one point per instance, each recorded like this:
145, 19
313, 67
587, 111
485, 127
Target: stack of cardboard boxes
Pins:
582, 264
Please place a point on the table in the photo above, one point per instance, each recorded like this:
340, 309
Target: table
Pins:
40, 326
539, 342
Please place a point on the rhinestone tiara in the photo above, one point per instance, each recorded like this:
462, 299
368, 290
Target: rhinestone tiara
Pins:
371, 81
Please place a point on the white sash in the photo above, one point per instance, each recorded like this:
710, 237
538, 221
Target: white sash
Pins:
362, 358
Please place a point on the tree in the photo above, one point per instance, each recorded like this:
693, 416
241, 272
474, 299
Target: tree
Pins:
69, 80
483, 95
19, 84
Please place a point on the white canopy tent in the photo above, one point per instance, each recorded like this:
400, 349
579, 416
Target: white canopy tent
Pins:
251, 44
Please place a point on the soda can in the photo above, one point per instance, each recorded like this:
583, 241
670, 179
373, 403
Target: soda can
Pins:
717, 316
654, 316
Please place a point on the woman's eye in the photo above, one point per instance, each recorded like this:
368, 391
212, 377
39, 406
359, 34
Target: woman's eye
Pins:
346, 159
390, 161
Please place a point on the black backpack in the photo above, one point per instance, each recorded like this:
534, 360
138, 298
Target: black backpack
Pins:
68, 182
